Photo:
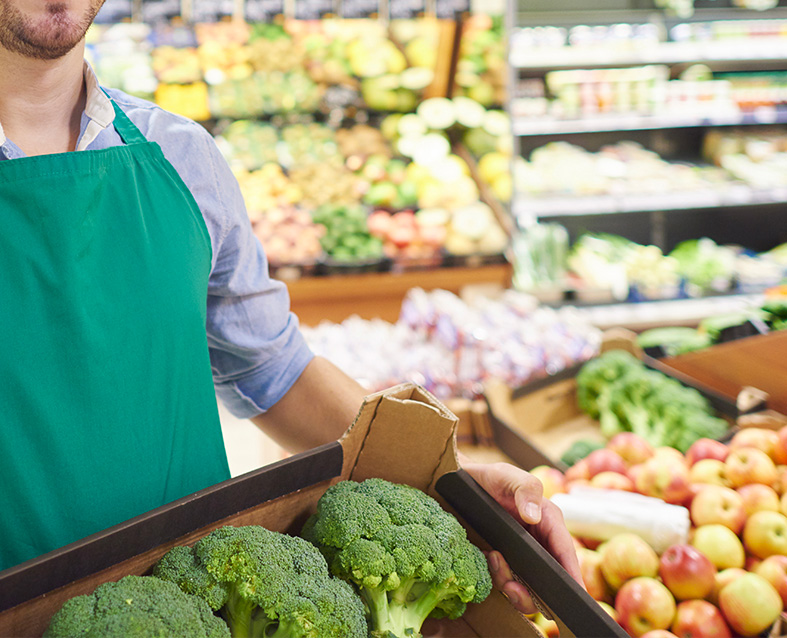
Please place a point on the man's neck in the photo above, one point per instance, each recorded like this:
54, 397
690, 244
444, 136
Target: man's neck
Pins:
41, 101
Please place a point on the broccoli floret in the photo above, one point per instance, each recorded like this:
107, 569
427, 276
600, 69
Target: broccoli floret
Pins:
408, 558
266, 584
136, 606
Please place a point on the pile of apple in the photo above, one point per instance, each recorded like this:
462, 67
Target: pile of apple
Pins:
730, 577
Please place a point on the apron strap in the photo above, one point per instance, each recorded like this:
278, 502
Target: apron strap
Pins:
128, 132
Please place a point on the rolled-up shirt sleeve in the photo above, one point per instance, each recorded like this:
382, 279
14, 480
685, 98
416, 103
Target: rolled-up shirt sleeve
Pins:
256, 348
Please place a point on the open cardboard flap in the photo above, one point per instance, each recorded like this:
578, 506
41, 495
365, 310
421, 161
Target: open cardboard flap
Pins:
403, 435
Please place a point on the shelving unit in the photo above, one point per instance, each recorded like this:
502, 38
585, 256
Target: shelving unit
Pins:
663, 219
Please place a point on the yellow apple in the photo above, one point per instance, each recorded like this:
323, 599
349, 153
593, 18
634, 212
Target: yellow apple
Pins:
720, 544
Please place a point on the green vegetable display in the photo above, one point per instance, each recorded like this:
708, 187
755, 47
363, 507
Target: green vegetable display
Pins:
265, 585
625, 395
408, 558
136, 606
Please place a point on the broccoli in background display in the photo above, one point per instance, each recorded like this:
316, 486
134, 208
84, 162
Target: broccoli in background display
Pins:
265, 584
408, 558
136, 606
624, 395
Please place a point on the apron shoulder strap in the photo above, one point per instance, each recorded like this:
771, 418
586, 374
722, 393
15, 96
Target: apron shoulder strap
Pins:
127, 130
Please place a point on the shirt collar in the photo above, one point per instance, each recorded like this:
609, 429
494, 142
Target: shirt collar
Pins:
98, 109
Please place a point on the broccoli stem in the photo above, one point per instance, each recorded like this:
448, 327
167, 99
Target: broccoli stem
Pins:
238, 612
400, 614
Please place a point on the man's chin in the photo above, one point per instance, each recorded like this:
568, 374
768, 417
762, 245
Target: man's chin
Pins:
46, 38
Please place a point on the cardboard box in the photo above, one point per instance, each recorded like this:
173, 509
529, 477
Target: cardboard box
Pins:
729, 368
535, 423
403, 435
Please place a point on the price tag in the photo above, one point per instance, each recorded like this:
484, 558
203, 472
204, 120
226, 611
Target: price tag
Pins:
406, 9
263, 10
313, 9
354, 9
448, 9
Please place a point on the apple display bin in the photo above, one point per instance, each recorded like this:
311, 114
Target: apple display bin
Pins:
403, 435
535, 423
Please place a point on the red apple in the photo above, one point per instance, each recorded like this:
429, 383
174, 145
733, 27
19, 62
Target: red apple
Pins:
706, 448
634, 471
759, 438
551, 478
750, 604
644, 604
699, 619
758, 497
592, 576
687, 572
774, 570
604, 460
780, 449
718, 504
626, 556
659, 633
632, 448
749, 465
667, 453
723, 578
661, 478
709, 471
612, 481
720, 544
578, 471
765, 534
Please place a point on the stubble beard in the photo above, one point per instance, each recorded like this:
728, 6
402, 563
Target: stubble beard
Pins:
46, 38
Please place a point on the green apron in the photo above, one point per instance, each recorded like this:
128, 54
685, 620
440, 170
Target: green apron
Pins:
107, 405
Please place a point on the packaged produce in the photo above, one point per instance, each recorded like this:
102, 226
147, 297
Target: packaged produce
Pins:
450, 346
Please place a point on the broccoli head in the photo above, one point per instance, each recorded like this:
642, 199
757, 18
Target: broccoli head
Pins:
408, 557
266, 584
136, 606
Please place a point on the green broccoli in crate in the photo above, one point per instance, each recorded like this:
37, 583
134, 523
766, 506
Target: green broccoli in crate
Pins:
408, 557
265, 584
136, 606
625, 395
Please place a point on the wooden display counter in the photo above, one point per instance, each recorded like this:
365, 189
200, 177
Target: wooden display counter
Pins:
379, 295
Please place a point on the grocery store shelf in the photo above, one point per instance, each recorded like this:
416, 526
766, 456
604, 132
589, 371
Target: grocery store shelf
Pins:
763, 50
380, 295
634, 122
563, 206
673, 312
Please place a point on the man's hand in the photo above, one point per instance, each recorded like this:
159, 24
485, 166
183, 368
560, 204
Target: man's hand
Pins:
521, 495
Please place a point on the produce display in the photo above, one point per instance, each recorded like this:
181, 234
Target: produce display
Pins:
481, 67
450, 346
342, 108
625, 396
728, 575
761, 318
625, 270
377, 558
